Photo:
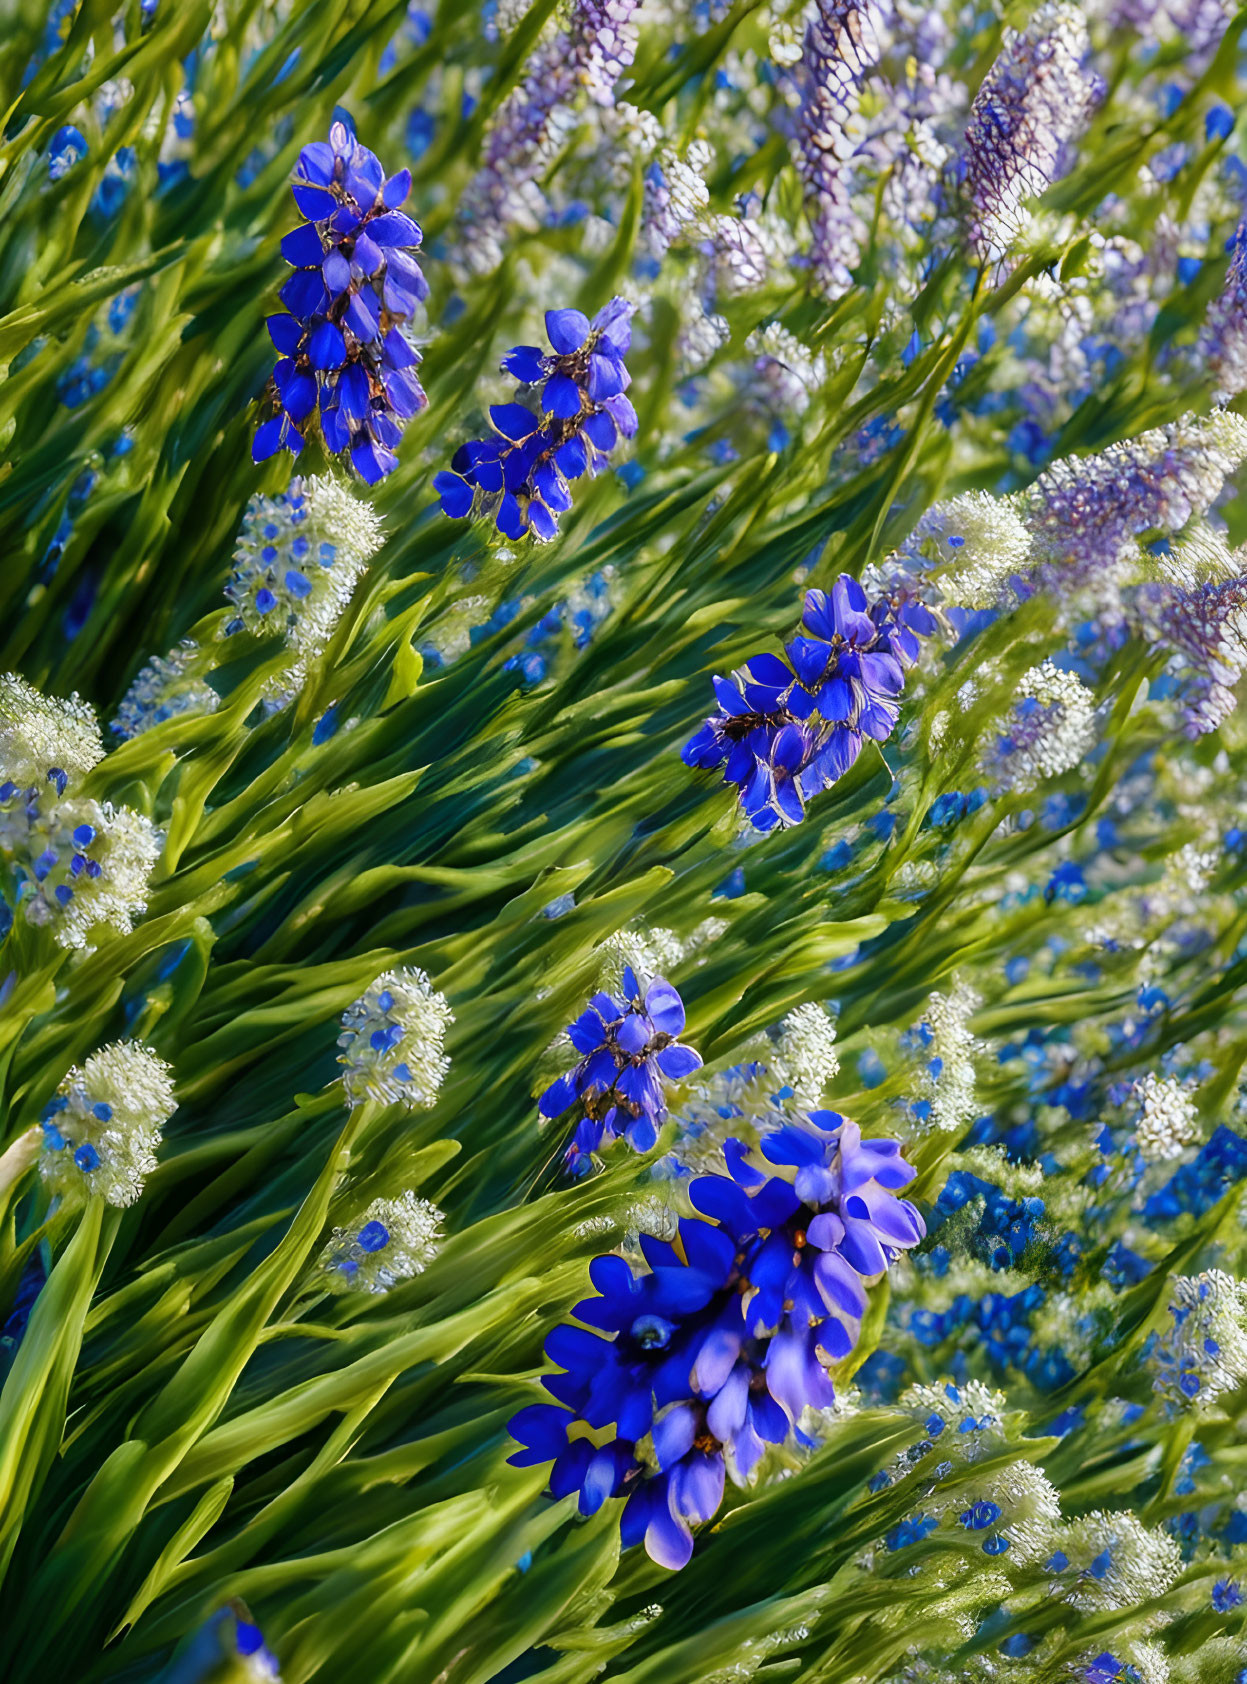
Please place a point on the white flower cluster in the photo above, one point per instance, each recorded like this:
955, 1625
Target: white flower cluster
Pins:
951, 1053
1205, 1352
1134, 1563
804, 1057
1050, 728
969, 1409
451, 635
975, 544
393, 1241
43, 736
75, 863
1033, 101
392, 1041
101, 1131
297, 561
715, 1109
1168, 1121
167, 687
962, 1425
650, 953
786, 373
1200, 557
1030, 1508
676, 196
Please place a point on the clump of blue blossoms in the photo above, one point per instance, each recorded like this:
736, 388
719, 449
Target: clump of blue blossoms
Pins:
343, 357
719, 1347
785, 730
629, 1046
521, 477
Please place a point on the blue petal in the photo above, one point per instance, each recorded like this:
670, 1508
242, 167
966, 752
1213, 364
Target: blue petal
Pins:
568, 329
526, 363
561, 397
513, 421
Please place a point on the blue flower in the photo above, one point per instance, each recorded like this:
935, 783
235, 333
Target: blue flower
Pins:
717, 1348
1107, 1669
784, 732
521, 476
341, 348
1226, 1595
628, 1047
67, 146
979, 1516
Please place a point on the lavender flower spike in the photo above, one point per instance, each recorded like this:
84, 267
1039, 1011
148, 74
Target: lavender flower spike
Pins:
841, 43
589, 56
1087, 513
1034, 100
1223, 342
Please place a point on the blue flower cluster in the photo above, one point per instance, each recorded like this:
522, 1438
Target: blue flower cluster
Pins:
341, 347
521, 476
712, 1353
785, 730
627, 1047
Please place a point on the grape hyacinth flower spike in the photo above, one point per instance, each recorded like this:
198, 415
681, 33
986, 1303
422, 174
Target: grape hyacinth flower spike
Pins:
342, 352
785, 730
520, 478
628, 1047
719, 1346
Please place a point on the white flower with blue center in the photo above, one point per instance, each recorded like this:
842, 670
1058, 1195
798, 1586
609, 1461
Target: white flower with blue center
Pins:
392, 1041
393, 1241
102, 1127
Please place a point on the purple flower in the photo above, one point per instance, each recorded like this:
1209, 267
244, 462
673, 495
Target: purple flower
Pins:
342, 352
1226, 1596
785, 731
1088, 513
521, 477
628, 1048
1034, 100
586, 57
1107, 1669
1223, 341
842, 42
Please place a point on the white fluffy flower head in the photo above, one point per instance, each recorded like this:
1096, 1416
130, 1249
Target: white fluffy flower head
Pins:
101, 1131
393, 1241
168, 687
805, 1057
650, 952
975, 543
1050, 728
79, 865
1167, 1121
1204, 1352
297, 560
1134, 1563
951, 1054
392, 1041
43, 739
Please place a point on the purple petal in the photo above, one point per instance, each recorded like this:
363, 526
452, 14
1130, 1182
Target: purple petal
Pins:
674, 1434
664, 1007
677, 1061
